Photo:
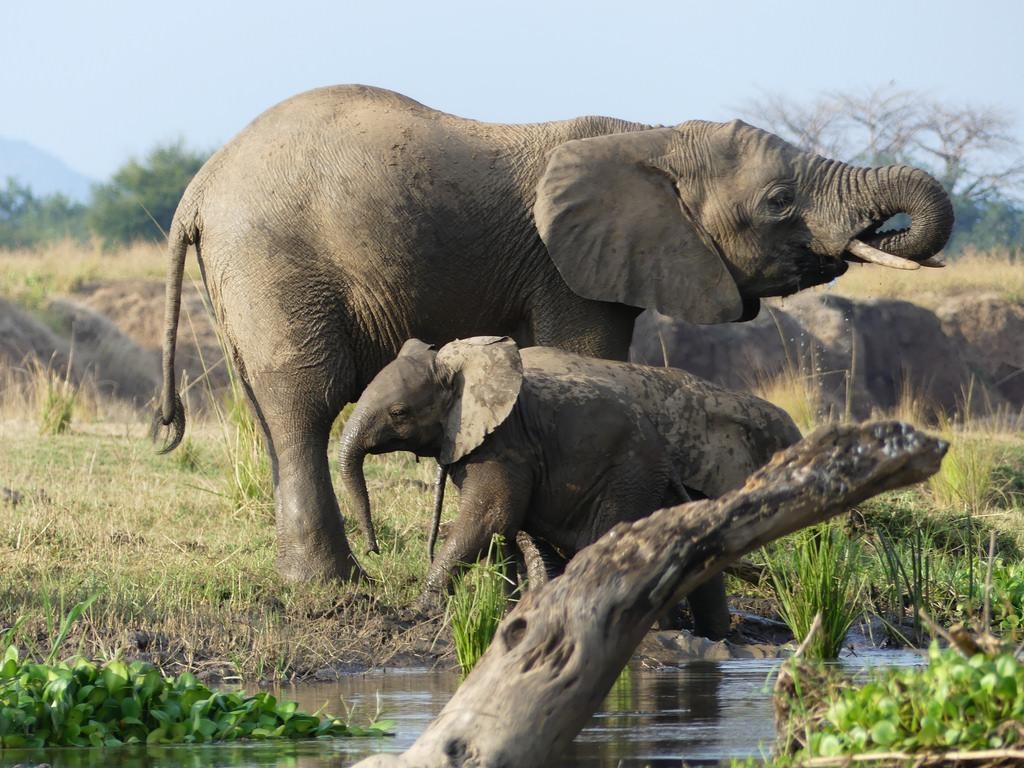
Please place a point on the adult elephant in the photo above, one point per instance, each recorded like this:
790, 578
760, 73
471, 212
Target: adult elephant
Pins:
348, 219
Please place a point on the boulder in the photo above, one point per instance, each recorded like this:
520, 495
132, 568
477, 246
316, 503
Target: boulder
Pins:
990, 331
858, 356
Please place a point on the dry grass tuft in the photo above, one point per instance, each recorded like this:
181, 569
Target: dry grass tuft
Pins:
973, 272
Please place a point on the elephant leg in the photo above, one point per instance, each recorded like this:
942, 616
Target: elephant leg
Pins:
591, 328
708, 603
710, 607
493, 500
311, 542
539, 560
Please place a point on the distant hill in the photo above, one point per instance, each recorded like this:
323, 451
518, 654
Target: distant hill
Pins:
44, 173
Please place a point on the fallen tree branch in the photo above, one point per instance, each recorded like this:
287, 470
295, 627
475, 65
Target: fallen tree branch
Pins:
556, 655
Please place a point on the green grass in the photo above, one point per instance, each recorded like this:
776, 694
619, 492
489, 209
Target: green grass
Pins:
818, 570
477, 605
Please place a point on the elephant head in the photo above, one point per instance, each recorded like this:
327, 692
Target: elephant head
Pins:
701, 219
432, 403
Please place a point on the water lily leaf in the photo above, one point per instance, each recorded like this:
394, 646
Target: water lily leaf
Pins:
115, 676
883, 732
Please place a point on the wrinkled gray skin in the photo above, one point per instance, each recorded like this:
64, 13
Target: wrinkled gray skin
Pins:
558, 445
348, 219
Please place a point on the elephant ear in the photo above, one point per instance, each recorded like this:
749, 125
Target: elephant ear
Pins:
609, 211
485, 374
414, 347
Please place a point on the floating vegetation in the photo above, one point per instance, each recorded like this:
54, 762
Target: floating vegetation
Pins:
960, 709
82, 704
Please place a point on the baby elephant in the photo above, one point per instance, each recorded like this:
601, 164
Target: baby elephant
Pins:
560, 446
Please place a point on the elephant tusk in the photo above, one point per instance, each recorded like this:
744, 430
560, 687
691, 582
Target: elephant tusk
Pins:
864, 251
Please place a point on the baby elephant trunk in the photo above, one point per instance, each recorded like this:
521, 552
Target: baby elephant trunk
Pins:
353, 452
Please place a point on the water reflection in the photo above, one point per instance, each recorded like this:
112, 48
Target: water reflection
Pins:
700, 712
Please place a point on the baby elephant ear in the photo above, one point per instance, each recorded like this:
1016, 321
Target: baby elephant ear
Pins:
609, 211
414, 347
484, 374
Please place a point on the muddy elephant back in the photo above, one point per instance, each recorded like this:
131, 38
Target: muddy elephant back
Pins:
718, 436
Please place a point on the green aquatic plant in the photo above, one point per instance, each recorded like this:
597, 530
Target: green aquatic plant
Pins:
477, 605
955, 703
82, 704
817, 570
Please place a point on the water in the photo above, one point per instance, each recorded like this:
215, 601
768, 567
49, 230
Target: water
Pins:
700, 712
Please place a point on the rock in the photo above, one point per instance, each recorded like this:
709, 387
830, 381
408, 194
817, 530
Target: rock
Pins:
858, 356
990, 330
101, 351
24, 337
111, 335
905, 347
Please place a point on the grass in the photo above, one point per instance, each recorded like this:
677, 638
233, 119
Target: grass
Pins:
182, 575
795, 393
31, 277
972, 272
56, 397
967, 478
817, 571
477, 605
180, 554
923, 548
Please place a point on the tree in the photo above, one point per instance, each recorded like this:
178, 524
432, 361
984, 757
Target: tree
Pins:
969, 149
27, 220
139, 201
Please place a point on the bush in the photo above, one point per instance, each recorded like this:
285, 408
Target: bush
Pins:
139, 201
82, 704
27, 221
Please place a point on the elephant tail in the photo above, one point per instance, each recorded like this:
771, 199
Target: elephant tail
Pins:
171, 411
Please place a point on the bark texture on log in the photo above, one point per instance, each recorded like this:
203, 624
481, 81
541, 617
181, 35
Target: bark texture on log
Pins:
557, 654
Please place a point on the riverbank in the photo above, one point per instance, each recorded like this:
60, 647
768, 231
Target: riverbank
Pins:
179, 550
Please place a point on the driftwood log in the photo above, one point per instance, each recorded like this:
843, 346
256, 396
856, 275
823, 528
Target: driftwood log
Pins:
558, 652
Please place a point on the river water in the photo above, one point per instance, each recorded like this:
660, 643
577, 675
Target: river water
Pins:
700, 712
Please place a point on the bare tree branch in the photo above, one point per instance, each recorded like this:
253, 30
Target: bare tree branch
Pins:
970, 149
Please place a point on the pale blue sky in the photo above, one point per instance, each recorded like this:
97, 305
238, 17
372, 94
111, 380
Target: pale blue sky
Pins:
98, 82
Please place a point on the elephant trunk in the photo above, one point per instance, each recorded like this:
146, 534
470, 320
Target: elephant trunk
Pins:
352, 454
898, 189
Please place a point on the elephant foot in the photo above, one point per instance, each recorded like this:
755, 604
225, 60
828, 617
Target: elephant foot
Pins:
713, 627
431, 603
302, 569
710, 608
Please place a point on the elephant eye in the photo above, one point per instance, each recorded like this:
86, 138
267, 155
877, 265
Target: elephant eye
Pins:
398, 411
779, 200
